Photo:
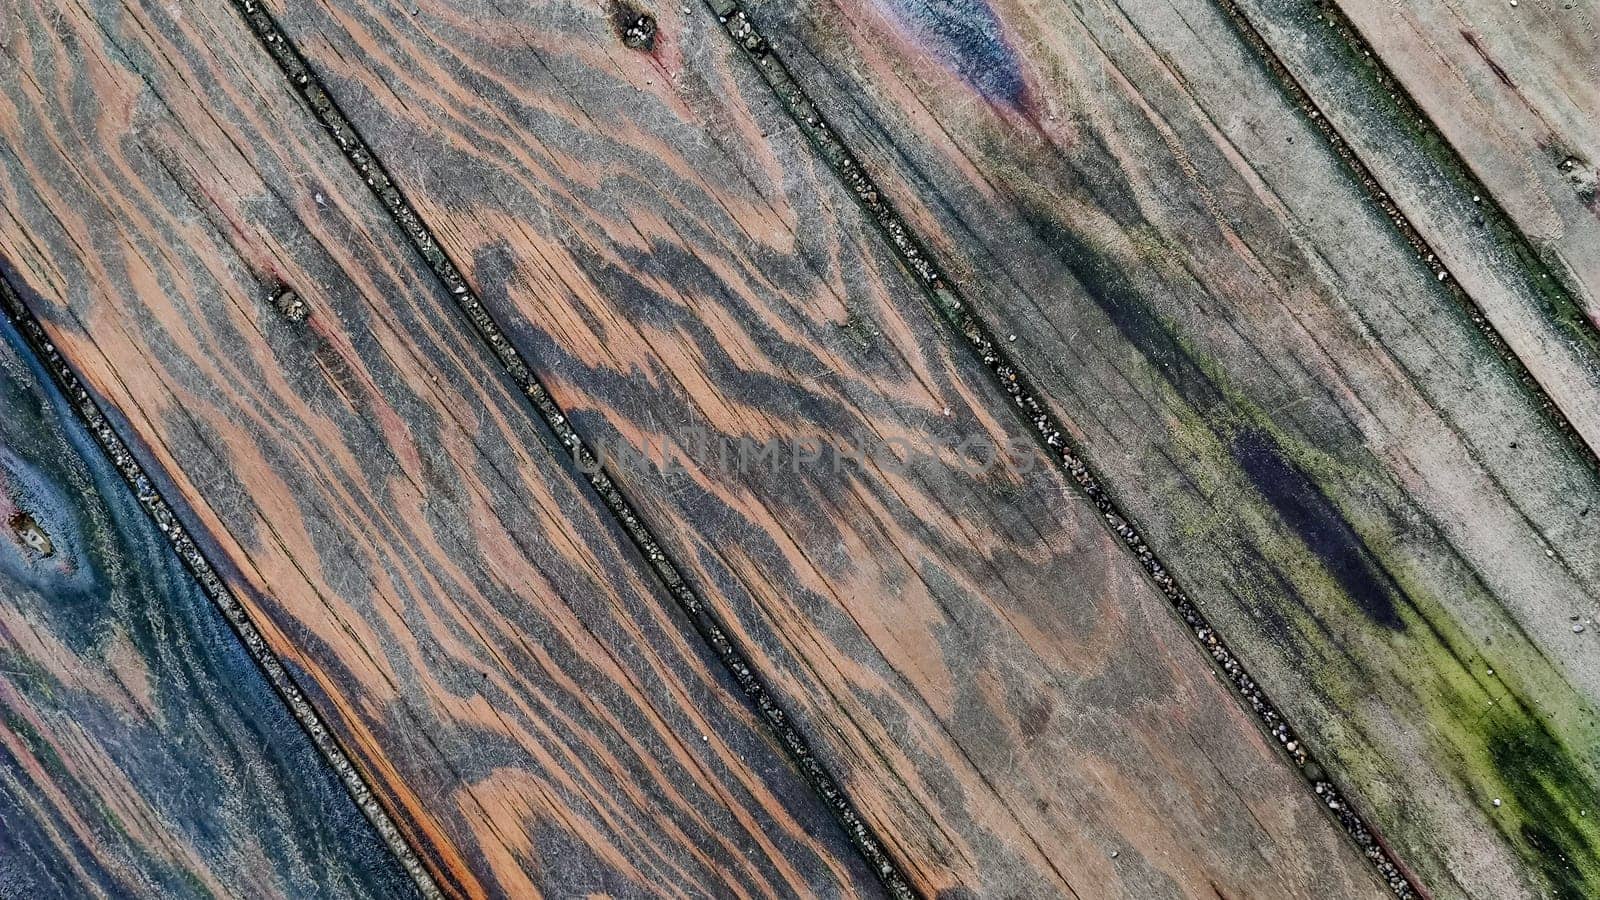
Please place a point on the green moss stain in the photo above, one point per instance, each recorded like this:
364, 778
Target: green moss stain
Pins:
1481, 731
1558, 834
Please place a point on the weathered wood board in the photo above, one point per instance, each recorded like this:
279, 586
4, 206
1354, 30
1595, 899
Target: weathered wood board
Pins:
1303, 420
141, 751
1009, 703
1499, 211
1351, 408
1515, 89
473, 629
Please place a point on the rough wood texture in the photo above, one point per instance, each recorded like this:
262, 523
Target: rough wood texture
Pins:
1516, 90
1008, 701
141, 751
1539, 294
1304, 422
474, 629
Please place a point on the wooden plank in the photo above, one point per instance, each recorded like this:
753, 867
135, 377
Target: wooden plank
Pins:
141, 750
478, 635
1530, 264
1008, 701
1302, 420
1515, 89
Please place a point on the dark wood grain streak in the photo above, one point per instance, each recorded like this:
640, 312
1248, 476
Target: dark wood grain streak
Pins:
475, 630
141, 750
1304, 424
638, 33
1009, 703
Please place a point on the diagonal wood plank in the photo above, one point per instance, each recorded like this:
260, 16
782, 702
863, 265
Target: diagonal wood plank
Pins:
1010, 704
1515, 89
1310, 429
475, 630
141, 751
1527, 261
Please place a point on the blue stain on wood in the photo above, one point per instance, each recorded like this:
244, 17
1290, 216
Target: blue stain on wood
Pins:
966, 37
107, 643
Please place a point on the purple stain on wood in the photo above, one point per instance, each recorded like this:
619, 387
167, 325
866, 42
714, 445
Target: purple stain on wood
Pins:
968, 39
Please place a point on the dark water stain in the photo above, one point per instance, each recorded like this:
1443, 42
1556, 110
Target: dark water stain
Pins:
1109, 288
1305, 509
1296, 499
967, 38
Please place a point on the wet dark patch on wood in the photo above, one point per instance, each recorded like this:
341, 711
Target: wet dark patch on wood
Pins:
1307, 511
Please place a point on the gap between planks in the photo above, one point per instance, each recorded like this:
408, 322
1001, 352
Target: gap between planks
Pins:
1555, 295
87, 410
954, 309
706, 621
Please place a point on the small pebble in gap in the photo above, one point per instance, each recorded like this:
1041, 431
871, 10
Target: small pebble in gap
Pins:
1011, 338
1577, 629
1115, 853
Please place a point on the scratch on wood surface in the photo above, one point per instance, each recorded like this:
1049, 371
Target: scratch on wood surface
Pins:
706, 621
954, 309
177, 534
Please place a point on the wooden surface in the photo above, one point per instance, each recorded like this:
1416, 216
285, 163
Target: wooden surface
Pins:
1310, 430
1516, 91
944, 639
1349, 407
532, 713
141, 751
1514, 239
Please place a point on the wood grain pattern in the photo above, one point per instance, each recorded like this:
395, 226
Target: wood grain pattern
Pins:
477, 633
1302, 420
1010, 704
1526, 261
1516, 91
141, 751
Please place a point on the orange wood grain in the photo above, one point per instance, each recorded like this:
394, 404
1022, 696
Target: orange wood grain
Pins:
1010, 704
533, 713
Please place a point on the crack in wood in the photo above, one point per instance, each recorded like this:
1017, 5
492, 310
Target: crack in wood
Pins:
166, 520
706, 621
954, 309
